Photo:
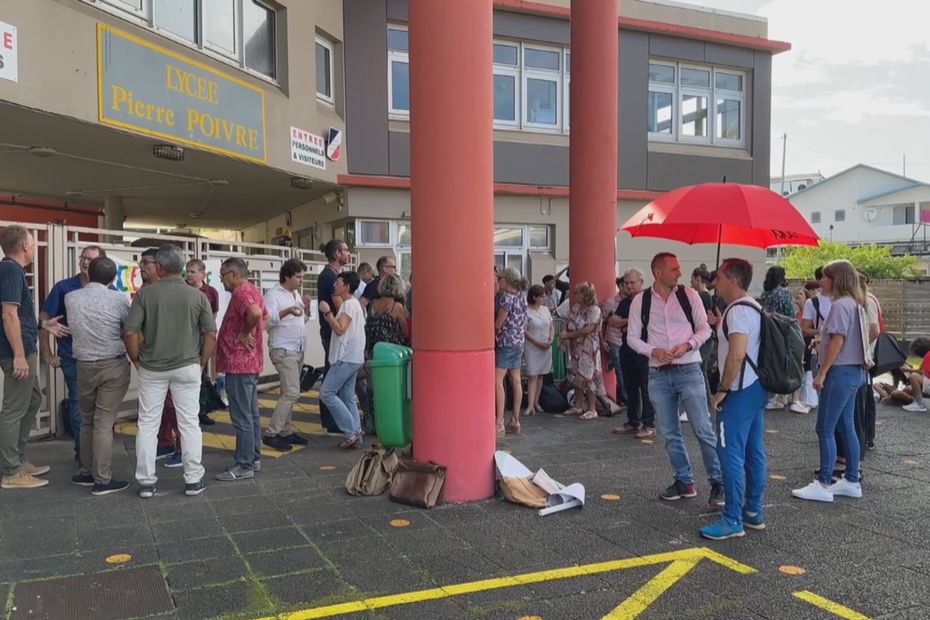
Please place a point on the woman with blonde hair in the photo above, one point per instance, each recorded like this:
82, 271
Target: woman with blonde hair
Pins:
581, 336
509, 327
844, 355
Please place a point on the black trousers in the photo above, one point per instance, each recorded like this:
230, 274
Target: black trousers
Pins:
639, 409
326, 418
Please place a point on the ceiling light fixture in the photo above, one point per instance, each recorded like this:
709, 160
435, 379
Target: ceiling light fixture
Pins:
301, 182
168, 151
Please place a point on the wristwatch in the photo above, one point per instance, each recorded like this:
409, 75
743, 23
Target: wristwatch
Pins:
722, 390
41, 323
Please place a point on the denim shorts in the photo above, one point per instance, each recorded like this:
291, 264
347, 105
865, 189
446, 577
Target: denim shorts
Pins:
508, 357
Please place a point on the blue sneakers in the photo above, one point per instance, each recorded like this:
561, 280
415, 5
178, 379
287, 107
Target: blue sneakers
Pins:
754, 521
721, 530
174, 461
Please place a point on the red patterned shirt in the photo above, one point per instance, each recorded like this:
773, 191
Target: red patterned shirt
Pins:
232, 356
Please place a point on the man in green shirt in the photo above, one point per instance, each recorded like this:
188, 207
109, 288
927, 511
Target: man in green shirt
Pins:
169, 317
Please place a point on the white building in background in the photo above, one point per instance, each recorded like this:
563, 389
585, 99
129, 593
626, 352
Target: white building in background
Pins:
864, 205
794, 182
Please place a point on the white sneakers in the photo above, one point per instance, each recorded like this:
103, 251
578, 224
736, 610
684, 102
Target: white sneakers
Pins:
846, 489
915, 408
816, 492
774, 404
799, 407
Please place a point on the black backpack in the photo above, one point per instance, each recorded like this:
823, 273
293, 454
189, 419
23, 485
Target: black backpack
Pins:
781, 352
683, 301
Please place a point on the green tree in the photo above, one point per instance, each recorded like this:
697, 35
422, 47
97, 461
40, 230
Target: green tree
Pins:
800, 262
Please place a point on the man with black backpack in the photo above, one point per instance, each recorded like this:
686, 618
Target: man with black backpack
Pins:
668, 324
740, 402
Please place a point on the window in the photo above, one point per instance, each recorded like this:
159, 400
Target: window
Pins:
324, 70
815, 217
398, 72
508, 236
539, 237
241, 31
530, 82
374, 233
903, 215
839, 215
695, 104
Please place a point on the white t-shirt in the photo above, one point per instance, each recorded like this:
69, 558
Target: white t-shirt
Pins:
350, 346
811, 315
741, 320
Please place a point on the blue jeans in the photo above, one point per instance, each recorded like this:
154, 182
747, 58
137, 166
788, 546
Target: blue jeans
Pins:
741, 448
242, 391
618, 371
684, 383
835, 415
70, 404
338, 393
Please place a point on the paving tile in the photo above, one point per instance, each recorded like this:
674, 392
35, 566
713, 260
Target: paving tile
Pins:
234, 523
238, 598
311, 589
197, 549
201, 574
267, 540
285, 561
190, 529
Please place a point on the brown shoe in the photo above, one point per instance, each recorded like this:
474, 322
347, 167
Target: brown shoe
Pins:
35, 470
22, 480
626, 429
645, 433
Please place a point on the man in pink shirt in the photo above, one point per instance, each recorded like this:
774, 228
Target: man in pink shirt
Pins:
668, 325
240, 355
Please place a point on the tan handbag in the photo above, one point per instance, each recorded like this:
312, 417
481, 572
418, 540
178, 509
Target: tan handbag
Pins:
417, 484
372, 474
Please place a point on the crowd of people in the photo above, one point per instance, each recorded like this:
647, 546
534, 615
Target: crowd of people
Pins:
94, 333
682, 353
679, 354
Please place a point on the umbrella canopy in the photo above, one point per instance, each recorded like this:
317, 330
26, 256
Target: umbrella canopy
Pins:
718, 213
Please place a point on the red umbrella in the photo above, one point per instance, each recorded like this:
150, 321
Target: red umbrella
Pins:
723, 213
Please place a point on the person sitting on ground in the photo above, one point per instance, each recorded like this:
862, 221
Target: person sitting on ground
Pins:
581, 336
538, 348
918, 380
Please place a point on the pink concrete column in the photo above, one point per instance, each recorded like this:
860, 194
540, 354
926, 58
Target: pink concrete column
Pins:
452, 217
593, 148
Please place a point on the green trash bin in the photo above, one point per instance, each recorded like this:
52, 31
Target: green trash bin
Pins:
390, 377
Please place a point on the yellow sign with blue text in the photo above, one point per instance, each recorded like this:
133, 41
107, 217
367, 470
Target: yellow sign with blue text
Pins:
154, 91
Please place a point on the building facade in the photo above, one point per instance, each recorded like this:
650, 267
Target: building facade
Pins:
864, 205
293, 118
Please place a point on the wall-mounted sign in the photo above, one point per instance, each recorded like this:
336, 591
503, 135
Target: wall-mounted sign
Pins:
308, 148
334, 144
8, 60
154, 91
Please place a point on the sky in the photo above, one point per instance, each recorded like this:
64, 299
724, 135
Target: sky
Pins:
854, 88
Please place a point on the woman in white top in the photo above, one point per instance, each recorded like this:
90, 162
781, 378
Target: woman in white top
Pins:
538, 347
346, 356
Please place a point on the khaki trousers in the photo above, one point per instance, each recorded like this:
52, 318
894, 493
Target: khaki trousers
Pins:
288, 364
102, 384
21, 401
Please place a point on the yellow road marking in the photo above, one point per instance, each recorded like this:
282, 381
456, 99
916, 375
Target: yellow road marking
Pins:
610, 497
309, 428
640, 600
267, 403
826, 604
678, 559
788, 569
118, 558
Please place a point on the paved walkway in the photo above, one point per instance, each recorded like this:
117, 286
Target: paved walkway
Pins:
292, 540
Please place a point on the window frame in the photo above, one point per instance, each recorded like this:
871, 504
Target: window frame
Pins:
397, 56
146, 19
710, 93
839, 215
331, 48
816, 217
549, 75
529, 237
512, 71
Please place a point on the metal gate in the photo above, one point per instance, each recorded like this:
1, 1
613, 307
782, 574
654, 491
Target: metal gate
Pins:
57, 257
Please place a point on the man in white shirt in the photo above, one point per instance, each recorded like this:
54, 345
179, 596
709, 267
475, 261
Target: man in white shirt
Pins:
677, 327
816, 310
286, 337
740, 402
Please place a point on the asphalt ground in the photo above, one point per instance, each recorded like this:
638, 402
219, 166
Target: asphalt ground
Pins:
292, 543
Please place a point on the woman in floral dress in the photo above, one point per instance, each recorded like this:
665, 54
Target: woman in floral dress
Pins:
581, 337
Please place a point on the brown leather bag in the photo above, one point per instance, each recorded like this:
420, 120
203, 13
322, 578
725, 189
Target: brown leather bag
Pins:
417, 484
